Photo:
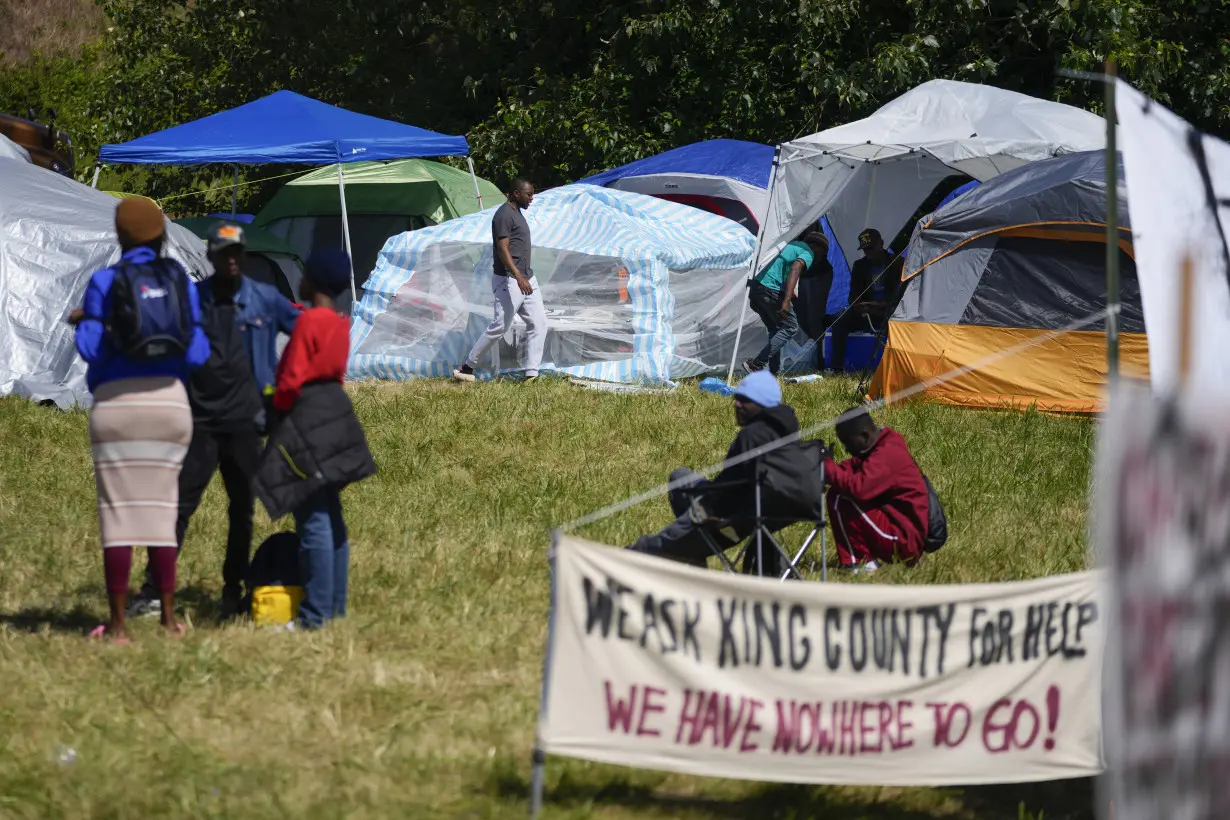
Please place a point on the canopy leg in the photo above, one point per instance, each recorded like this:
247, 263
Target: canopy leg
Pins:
734, 356
235, 195
477, 193
94, 181
1112, 230
341, 192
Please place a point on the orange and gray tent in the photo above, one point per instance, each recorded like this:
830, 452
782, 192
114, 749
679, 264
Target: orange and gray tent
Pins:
1017, 259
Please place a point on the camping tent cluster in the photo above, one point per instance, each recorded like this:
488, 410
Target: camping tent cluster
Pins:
643, 266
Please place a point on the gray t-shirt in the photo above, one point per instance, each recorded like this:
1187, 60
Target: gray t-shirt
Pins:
510, 222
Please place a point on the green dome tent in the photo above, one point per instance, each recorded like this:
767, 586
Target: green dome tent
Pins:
270, 259
383, 199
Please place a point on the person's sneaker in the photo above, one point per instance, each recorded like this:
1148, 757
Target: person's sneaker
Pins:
751, 366
865, 569
144, 606
465, 373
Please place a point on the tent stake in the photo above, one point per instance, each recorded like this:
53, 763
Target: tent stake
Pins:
1112, 232
477, 193
341, 193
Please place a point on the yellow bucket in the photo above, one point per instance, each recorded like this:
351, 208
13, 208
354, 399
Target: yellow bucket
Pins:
275, 606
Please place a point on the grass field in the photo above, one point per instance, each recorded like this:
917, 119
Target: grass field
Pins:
423, 702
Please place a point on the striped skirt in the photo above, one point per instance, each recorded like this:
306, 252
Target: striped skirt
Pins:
139, 431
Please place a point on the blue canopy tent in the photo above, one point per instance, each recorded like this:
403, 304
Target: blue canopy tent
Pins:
286, 127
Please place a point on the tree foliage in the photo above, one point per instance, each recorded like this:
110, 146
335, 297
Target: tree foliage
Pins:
560, 88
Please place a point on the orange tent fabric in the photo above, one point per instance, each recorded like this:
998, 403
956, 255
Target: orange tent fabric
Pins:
1066, 374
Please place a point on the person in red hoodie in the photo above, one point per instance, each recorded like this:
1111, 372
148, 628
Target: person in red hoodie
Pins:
877, 499
317, 445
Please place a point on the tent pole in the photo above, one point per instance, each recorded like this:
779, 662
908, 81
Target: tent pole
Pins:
1112, 230
235, 195
734, 356
341, 193
94, 181
473, 178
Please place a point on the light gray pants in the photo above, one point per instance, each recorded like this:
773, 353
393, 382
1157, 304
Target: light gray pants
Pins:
511, 302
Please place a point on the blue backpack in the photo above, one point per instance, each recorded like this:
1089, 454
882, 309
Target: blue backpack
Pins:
150, 315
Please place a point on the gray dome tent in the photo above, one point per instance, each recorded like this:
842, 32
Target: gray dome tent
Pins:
1018, 257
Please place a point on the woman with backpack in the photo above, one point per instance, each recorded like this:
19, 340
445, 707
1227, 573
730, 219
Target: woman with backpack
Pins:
139, 332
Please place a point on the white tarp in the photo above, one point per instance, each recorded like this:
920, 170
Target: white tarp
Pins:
54, 233
11, 150
874, 173
1178, 183
1164, 516
658, 665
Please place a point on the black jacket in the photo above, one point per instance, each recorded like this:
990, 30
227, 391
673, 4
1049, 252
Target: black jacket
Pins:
222, 391
791, 484
862, 280
319, 444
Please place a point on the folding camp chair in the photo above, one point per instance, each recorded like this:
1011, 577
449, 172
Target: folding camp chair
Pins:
762, 522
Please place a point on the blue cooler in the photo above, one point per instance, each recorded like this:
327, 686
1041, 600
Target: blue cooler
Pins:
861, 353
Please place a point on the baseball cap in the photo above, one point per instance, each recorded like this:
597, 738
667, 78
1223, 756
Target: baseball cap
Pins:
868, 238
224, 236
760, 387
329, 271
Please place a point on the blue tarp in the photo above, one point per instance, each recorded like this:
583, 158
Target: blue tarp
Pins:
747, 162
284, 127
969, 186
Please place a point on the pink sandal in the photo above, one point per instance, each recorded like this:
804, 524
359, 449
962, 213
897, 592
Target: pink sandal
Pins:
99, 633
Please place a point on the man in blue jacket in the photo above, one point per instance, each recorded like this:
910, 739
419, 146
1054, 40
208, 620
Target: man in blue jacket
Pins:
230, 396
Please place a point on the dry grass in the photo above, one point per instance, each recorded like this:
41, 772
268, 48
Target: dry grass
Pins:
47, 27
423, 702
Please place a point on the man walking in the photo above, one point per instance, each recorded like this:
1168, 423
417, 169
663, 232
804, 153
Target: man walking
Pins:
513, 284
229, 395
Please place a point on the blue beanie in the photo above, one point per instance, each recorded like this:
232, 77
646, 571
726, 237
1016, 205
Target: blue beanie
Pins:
760, 387
329, 271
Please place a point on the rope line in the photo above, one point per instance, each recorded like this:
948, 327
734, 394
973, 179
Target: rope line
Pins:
640, 498
228, 186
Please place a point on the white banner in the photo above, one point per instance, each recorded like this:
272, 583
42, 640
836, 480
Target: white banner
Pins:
658, 665
1178, 183
1164, 515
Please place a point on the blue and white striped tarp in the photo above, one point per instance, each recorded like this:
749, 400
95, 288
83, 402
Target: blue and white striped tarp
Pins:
429, 297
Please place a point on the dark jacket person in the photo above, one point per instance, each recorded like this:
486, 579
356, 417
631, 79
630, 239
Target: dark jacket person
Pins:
762, 419
317, 446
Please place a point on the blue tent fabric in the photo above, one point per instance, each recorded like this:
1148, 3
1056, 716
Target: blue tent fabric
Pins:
969, 186
747, 162
429, 298
839, 292
284, 127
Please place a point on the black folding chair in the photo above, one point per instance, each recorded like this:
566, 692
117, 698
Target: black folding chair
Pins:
782, 477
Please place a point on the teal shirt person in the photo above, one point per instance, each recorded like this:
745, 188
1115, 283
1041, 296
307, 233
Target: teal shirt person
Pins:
774, 275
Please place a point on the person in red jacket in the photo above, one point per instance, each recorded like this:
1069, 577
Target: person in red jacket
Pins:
877, 499
318, 446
